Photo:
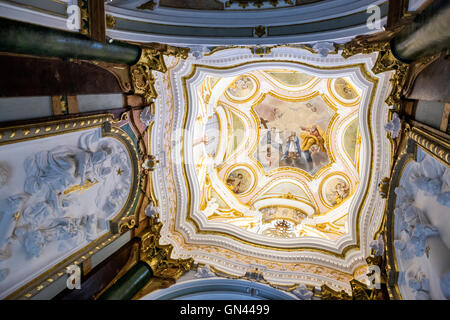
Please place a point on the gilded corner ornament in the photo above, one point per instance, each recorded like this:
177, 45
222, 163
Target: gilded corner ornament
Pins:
386, 61
84, 17
110, 21
177, 52
158, 256
383, 187
149, 163
141, 74
329, 294
361, 291
260, 31
152, 59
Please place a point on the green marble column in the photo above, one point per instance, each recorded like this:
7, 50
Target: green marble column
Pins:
24, 38
427, 35
129, 285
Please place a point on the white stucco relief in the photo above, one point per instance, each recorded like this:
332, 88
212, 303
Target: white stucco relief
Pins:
60, 196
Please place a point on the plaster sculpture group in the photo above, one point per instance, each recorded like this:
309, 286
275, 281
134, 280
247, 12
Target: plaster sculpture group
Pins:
59, 198
421, 234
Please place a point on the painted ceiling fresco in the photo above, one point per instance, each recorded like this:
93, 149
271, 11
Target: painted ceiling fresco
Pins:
284, 148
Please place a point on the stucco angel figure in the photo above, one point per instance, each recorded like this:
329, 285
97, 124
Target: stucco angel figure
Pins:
303, 293
146, 116
68, 231
204, 272
394, 127
51, 173
419, 283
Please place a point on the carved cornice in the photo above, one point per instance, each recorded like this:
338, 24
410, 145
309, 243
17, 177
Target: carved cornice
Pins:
438, 147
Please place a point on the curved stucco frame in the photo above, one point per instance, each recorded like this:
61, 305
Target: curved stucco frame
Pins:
345, 255
219, 288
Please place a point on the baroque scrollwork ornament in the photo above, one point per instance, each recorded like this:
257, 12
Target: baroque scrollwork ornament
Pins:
386, 61
177, 52
360, 291
158, 256
152, 59
149, 163
127, 223
383, 187
141, 74
329, 294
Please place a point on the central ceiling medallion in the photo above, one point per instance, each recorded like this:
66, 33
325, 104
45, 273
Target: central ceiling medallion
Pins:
277, 152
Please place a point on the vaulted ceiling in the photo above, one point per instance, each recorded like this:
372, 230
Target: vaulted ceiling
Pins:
278, 153
272, 161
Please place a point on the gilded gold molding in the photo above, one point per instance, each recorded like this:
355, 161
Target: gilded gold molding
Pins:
177, 52
437, 147
14, 134
329, 294
127, 223
360, 291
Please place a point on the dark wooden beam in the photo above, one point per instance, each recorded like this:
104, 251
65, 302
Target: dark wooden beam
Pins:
396, 13
24, 76
97, 21
94, 280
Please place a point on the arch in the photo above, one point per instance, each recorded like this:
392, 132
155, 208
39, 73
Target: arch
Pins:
219, 289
